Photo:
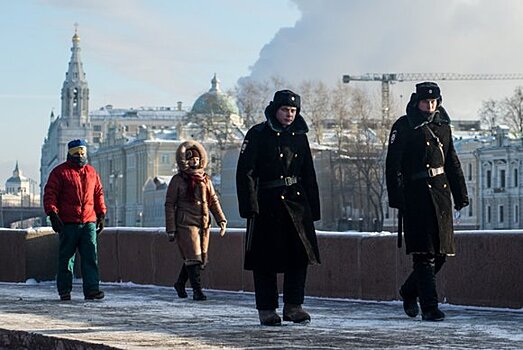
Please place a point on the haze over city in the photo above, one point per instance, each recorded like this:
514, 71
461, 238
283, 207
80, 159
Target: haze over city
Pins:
156, 53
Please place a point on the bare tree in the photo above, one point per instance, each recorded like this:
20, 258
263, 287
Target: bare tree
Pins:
489, 114
252, 99
341, 187
508, 111
346, 119
512, 109
316, 106
253, 96
363, 159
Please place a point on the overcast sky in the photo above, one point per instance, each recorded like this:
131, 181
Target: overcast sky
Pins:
157, 52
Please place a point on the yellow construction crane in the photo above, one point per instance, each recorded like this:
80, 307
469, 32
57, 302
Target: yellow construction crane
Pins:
390, 78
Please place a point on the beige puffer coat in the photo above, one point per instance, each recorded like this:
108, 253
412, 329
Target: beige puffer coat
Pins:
189, 217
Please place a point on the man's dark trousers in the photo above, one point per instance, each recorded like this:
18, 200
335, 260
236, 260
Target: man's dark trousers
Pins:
83, 238
266, 288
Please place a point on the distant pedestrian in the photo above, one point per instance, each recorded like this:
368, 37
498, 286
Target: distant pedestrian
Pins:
278, 195
74, 202
423, 173
189, 201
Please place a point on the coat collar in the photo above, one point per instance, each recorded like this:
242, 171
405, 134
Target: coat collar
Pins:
417, 119
298, 126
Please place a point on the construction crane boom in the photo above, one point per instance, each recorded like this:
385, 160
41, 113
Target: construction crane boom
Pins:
390, 78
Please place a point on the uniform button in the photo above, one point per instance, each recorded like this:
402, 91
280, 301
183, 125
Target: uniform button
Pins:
277, 134
296, 155
430, 186
298, 193
428, 143
293, 134
281, 176
198, 202
428, 166
444, 185
281, 155
282, 197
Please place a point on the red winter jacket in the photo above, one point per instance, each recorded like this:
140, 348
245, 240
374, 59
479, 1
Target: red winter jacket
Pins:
75, 193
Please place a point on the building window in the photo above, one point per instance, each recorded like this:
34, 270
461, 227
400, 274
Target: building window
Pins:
516, 213
97, 128
489, 217
502, 178
515, 177
75, 96
501, 216
165, 159
470, 171
489, 178
471, 213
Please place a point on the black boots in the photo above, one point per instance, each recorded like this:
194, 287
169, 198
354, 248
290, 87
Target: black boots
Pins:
410, 303
194, 276
291, 312
269, 318
425, 268
180, 284
426, 284
295, 313
433, 314
409, 294
94, 295
192, 273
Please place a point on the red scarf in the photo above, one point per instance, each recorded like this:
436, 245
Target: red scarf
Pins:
195, 177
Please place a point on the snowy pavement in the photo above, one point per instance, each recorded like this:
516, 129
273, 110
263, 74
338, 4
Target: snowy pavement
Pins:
151, 317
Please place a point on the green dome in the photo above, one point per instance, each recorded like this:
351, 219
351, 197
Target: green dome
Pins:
215, 102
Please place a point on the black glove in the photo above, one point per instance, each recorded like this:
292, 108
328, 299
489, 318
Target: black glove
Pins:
56, 222
463, 204
100, 223
172, 236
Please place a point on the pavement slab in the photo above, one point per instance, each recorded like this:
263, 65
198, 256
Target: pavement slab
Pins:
152, 317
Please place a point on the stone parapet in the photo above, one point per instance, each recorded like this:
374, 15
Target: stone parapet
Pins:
487, 270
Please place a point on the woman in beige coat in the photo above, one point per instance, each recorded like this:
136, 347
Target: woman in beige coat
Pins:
189, 201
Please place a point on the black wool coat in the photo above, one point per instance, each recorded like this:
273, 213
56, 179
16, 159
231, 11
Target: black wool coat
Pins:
425, 202
281, 233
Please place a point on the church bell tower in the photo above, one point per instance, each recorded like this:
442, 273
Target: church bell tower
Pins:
75, 92
74, 121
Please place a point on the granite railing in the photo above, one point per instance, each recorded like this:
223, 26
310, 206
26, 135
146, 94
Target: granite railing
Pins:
487, 270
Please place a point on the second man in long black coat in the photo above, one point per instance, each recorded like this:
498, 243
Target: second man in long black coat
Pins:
278, 194
423, 175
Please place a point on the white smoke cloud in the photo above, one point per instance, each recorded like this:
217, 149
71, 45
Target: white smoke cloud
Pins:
338, 37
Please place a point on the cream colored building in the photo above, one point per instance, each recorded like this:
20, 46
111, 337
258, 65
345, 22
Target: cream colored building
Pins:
131, 166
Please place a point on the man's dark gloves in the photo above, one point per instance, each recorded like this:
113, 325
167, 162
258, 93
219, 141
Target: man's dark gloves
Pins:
459, 206
56, 222
100, 223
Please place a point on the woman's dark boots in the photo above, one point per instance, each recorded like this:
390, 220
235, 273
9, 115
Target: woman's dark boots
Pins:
428, 297
180, 284
194, 277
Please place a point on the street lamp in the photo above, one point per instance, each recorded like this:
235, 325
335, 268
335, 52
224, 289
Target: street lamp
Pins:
22, 191
114, 190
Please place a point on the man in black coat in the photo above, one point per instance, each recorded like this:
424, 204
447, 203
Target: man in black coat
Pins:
423, 173
278, 194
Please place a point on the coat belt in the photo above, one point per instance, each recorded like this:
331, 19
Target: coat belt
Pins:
286, 181
430, 172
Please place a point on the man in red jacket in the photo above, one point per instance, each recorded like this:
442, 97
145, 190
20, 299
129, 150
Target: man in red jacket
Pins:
74, 202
